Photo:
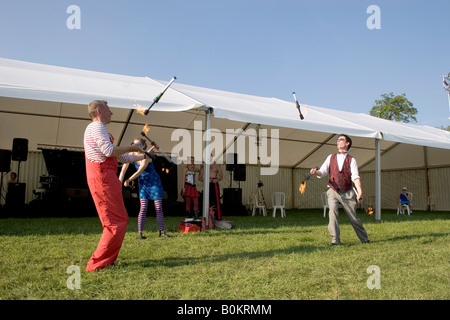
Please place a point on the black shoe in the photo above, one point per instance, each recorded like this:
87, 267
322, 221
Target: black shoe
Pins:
141, 237
334, 244
368, 241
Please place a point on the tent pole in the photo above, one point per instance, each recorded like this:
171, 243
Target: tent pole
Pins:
125, 127
377, 181
427, 178
207, 159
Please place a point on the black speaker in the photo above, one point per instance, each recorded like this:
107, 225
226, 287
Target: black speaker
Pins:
20, 149
239, 172
15, 198
5, 160
234, 209
232, 196
169, 177
231, 157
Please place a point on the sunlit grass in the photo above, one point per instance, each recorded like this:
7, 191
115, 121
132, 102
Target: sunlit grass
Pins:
262, 258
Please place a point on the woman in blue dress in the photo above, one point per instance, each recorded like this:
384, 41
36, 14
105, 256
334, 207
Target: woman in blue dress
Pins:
405, 199
150, 188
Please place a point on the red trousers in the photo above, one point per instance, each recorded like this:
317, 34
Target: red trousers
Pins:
106, 191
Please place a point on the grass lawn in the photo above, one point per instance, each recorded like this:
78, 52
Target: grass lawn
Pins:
261, 259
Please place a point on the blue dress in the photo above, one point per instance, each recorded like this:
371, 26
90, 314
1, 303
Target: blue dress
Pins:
150, 186
404, 199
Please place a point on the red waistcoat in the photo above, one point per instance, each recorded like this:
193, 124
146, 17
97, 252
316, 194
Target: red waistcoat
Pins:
340, 180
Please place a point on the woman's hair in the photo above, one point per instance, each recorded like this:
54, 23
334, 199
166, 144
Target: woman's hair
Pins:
142, 141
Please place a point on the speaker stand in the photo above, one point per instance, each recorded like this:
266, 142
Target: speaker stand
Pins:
18, 171
1, 190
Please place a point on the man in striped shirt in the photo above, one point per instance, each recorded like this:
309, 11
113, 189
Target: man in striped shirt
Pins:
102, 158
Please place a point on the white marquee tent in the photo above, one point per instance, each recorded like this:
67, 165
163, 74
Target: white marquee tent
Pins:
48, 106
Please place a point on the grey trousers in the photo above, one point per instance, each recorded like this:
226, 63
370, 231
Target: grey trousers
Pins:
348, 201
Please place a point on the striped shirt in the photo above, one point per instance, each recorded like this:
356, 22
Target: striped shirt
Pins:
98, 144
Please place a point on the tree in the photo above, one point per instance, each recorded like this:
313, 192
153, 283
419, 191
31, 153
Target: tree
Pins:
444, 128
397, 108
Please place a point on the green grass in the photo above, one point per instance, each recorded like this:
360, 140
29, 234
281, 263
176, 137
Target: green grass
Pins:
262, 258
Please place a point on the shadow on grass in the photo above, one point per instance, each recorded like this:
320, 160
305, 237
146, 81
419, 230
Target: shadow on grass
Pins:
22, 227
172, 262
246, 224
434, 236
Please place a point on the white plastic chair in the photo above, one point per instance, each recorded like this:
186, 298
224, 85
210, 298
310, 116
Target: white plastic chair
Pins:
257, 205
324, 198
405, 206
279, 202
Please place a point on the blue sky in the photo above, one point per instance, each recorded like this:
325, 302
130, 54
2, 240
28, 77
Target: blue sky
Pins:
322, 50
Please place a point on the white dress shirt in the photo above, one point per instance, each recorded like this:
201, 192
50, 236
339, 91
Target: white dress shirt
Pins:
324, 169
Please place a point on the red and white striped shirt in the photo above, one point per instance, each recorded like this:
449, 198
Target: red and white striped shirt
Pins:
98, 144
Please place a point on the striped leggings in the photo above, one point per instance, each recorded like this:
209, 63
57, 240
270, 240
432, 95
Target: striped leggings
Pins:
143, 214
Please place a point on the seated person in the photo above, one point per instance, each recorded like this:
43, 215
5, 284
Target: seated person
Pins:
12, 179
405, 198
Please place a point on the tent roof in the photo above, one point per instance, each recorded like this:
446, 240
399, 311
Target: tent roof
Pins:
34, 81
275, 112
306, 143
47, 105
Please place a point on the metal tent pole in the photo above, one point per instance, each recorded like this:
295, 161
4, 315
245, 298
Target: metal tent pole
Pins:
207, 156
377, 180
